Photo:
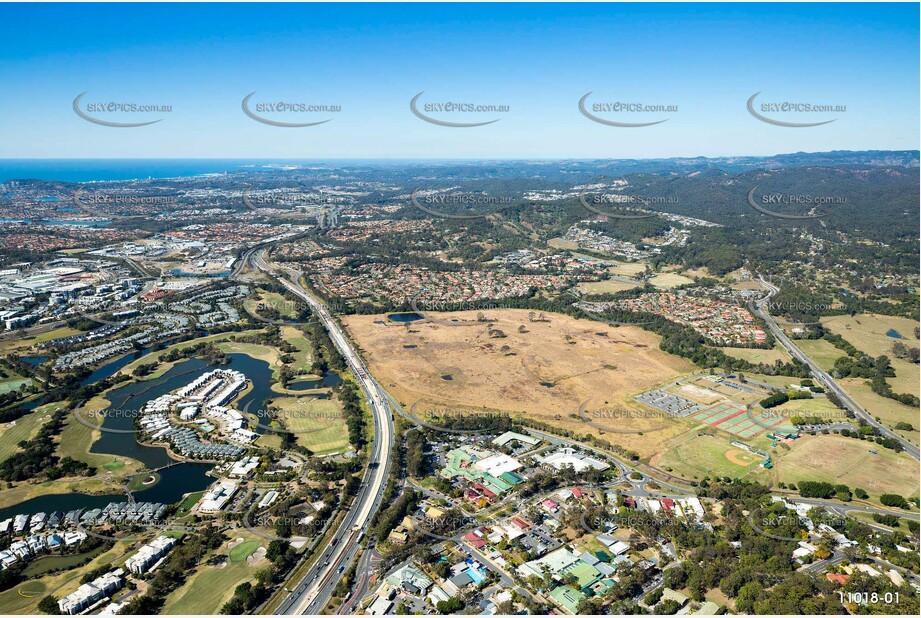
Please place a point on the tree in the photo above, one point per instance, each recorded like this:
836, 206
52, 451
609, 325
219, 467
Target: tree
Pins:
894, 500
49, 605
451, 606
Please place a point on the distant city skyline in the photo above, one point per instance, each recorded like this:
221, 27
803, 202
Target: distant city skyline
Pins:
700, 65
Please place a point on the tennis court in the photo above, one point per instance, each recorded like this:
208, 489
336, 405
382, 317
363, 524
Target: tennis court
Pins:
735, 420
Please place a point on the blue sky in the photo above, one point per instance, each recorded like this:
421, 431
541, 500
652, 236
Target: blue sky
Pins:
539, 59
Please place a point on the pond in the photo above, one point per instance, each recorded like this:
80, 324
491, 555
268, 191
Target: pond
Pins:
305, 383
405, 317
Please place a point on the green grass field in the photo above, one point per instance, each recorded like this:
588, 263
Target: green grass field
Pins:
188, 502
817, 406
317, 423
12, 384
755, 355
303, 358
164, 367
699, 456
144, 480
24, 428
243, 551
53, 334
24, 598
209, 587
78, 437
46, 564
285, 307
835, 459
114, 465
822, 352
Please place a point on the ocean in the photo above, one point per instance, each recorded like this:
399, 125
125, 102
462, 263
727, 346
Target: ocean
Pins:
88, 170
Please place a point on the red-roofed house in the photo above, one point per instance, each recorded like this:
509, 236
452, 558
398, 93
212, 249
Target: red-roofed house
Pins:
483, 490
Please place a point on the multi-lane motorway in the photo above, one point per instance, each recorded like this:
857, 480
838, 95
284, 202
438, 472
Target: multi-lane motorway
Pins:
311, 594
760, 307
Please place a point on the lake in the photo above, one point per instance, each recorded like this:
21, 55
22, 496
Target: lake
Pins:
174, 481
132, 397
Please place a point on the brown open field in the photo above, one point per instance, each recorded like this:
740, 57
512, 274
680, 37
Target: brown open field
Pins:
889, 411
545, 372
608, 286
757, 355
836, 459
867, 332
669, 280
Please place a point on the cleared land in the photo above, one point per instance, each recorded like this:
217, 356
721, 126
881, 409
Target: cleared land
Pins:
608, 286
889, 411
545, 372
817, 406
867, 332
756, 355
670, 280
822, 352
836, 459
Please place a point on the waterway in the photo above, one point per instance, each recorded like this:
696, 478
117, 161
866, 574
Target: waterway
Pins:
110, 369
174, 481
129, 399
